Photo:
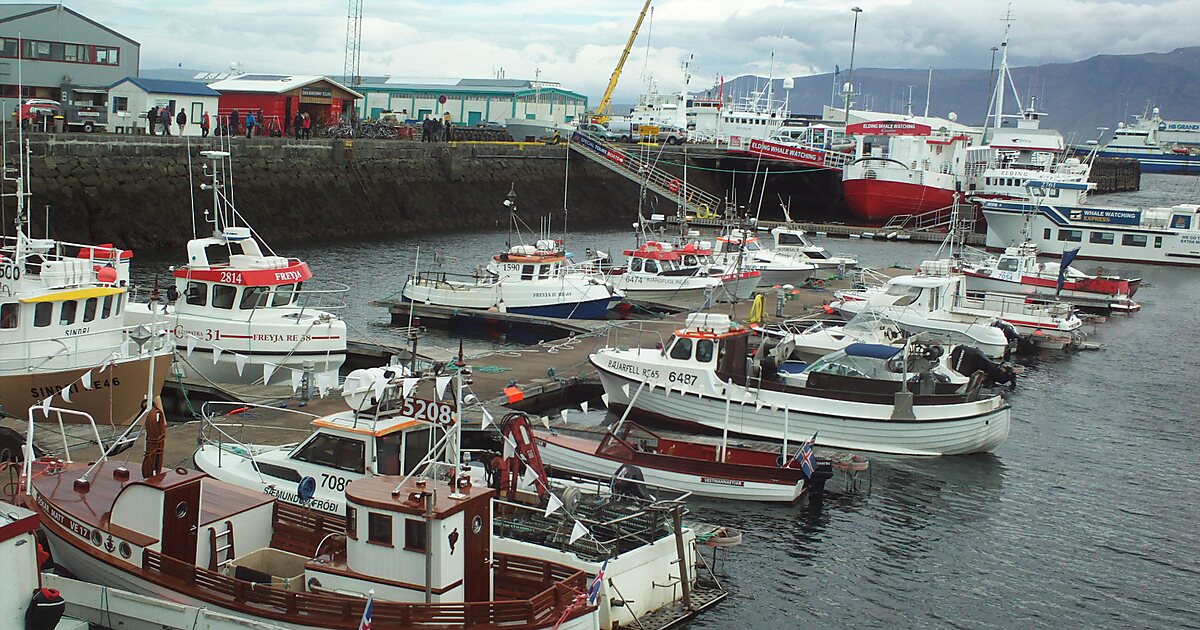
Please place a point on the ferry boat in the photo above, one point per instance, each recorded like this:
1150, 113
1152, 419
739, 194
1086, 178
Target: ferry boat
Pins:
1058, 219
706, 368
1143, 141
62, 329
1017, 270
244, 310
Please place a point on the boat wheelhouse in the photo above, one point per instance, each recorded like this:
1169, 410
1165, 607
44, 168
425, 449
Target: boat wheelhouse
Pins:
656, 272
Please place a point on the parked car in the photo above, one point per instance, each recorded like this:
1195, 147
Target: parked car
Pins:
671, 134
87, 118
600, 131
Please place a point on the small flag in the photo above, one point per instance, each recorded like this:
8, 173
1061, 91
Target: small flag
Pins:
407, 386
441, 382
365, 624
530, 478
487, 419
268, 370
563, 414
240, 360
577, 532
46, 405
594, 589
553, 505
625, 388
216, 354
1067, 258
604, 399
325, 382
807, 465
191, 344
583, 406
510, 448
297, 378
87, 379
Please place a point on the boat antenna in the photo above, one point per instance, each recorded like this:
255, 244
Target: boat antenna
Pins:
191, 185
928, 91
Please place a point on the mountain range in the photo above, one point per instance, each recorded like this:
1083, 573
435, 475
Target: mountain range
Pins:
1077, 97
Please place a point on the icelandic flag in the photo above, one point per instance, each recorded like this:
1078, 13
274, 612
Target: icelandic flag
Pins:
1067, 258
594, 589
807, 464
365, 624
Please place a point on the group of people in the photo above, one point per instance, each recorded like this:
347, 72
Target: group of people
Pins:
436, 130
162, 118
302, 126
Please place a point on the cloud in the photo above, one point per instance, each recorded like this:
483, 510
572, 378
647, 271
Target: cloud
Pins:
578, 44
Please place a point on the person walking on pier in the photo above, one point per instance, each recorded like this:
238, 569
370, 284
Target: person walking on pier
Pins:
308, 123
234, 122
204, 125
181, 120
164, 119
297, 124
251, 121
446, 124
152, 118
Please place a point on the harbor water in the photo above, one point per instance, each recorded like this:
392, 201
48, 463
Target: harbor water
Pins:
1086, 517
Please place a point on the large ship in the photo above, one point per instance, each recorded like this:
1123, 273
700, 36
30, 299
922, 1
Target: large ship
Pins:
1160, 146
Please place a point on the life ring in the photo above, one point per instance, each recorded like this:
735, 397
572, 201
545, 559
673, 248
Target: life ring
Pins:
674, 185
704, 212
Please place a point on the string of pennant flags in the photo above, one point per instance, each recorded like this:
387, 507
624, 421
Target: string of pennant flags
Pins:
324, 381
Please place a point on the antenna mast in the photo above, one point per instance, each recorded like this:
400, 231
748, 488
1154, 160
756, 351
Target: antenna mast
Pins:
350, 69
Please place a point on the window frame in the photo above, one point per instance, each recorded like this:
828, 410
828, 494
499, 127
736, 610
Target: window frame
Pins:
351, 522
43, 314
62, 312
1129, 240
10, 313
232, 290
1102, 238
416, 529
336, 455
379, 519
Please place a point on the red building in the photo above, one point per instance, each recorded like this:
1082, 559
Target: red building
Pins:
277, 98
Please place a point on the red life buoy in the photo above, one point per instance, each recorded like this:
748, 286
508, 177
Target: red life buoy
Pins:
674, 185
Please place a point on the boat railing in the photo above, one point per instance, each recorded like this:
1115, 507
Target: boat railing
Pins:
1006, 304
867, 278
19, 355
631, 335
328, 295
55, 252
119, 444
530, 593
220, 434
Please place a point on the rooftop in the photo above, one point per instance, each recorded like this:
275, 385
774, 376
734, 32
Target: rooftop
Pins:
273, 83
166, 86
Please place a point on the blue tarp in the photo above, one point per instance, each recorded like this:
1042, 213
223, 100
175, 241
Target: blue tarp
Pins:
873, 350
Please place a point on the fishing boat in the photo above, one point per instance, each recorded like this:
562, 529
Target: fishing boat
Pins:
246, 311
408, 554
738, 247
707, 366
655, 273
538, 279
1017, 270
397, 424
793, 243
62, 329
1058, 218
812, 340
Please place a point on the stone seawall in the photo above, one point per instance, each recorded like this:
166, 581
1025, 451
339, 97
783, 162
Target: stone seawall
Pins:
134, 192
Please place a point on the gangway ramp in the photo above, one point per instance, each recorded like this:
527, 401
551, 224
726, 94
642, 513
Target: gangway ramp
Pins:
668, 186
808, 155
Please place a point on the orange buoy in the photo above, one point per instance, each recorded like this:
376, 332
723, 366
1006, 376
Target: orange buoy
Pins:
514, 394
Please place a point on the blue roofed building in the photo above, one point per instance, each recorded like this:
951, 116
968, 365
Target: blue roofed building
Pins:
131, 97
470, 101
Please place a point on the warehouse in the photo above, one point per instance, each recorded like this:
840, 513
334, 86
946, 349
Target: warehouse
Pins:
471, 101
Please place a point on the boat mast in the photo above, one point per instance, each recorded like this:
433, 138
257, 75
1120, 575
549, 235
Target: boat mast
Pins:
928, 91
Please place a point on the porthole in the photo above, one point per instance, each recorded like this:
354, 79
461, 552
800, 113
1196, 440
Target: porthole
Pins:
96, 538
124, 549
181, 510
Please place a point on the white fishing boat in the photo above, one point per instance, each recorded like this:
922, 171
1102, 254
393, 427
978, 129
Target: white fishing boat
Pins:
242, 314
1017, 270
774, 268
793, 243
705, 368
395, 426
62, 329
655, 273
812, 340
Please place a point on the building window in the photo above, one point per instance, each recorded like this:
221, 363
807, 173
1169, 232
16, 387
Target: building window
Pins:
1073, 236
120, 104
351, 523
65, 52
1134, 240
1102, 238
379, 528
415, 535
8, 315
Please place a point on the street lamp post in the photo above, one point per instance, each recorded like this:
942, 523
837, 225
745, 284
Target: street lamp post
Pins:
850, 74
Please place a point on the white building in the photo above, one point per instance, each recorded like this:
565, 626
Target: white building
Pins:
131, 97
471, 101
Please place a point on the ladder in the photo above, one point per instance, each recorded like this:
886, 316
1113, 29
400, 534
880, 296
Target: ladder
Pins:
692, 199
935, 219
220, 543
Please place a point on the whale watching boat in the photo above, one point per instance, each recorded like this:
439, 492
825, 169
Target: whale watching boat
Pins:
62, 333
707, 366
244, 310
397, 424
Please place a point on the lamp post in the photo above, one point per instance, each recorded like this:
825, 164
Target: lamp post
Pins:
850, 75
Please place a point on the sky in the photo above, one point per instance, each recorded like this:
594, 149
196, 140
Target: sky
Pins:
577, 43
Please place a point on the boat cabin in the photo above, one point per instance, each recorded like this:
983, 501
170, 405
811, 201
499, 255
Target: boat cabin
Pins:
544, 260
934, 288
244, 281
710, 341
659, 258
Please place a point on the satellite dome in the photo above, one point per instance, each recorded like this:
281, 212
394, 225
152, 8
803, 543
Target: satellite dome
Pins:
789, 83
953, 117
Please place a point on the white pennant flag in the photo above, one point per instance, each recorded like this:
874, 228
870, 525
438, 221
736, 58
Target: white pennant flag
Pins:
216, 354
529, 478
66, 393
625, 388
87, 379
268, 370
583, 406
577, 532
510, 449
407, 386
604, 399
563, 413
487, 419
325, 382
441, 382
191, 344
240, 360
553, 505
546, 421
46, 405
297, 377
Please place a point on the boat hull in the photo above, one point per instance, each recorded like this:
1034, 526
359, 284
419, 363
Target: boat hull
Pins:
947, 429
117, 390
877, 200
1159, 162
562, 299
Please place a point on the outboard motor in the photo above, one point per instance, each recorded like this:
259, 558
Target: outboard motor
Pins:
821, 473
1010, 333
967, 360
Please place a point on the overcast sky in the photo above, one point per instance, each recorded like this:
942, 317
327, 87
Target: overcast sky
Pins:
577, 43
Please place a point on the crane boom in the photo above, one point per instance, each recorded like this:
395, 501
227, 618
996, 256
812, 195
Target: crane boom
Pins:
605, 105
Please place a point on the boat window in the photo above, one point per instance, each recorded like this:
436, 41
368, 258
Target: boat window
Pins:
543, 271
704, 350
527, 272
335, 452
635, 264
1158, 242
1073, 236
66, 316
120, 303
89, 309
934, 299
42, 314
254, 297
690, 260
906, 294
416, 447
379, 528
682, 349
284, 294
1181, 222
787, 238
651, 266
8, 315
387, 453
106, 307
415, 535
1134, 240
753, 246
197, 293
222, 295
1046, 234
351, 522
1102, 238
1007, 264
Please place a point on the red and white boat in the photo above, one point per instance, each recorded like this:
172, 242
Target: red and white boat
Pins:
1018, 270
660, 272
709, 470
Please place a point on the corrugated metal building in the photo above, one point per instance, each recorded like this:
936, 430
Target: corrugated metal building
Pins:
61, 51
131, 97
471, 101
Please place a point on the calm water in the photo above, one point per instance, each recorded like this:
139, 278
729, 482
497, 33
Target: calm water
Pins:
1085, 518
